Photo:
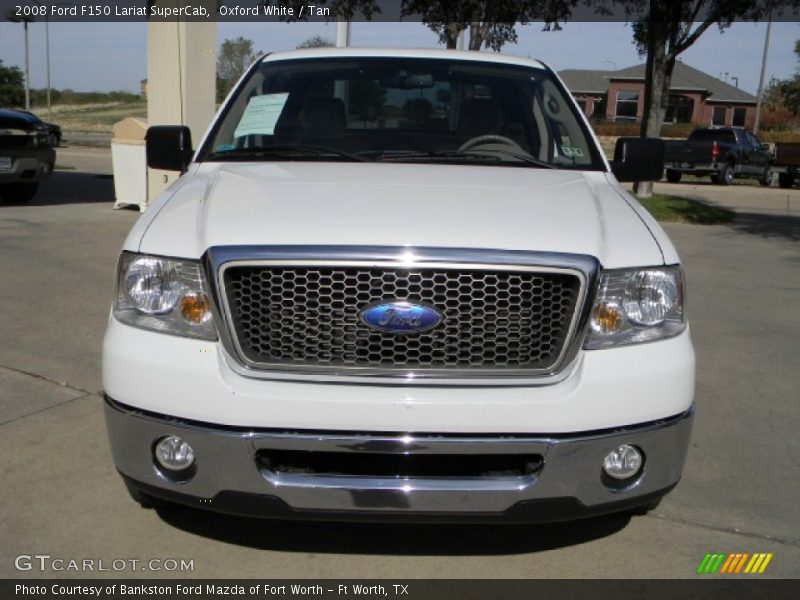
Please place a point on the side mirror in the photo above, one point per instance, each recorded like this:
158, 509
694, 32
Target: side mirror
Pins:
168, 147
638, 159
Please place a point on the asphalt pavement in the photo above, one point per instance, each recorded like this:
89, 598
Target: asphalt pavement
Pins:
61, 495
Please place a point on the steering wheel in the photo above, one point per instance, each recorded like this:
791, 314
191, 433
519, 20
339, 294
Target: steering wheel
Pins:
488, 139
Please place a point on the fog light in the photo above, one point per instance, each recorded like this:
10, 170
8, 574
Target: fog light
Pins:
174, 454
623, 463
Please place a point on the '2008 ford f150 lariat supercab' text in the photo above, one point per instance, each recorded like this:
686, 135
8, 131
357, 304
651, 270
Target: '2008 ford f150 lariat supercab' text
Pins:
399, 285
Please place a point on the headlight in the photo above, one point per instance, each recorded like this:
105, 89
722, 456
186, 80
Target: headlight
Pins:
164, 294
637, 305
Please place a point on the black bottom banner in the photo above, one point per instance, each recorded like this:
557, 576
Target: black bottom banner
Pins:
411, 589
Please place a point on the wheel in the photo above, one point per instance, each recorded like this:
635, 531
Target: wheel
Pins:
52, 140
725, 176
19, 193
673, 176
767, 177
785, 180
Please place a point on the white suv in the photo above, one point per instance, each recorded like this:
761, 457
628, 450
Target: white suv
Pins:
399, 284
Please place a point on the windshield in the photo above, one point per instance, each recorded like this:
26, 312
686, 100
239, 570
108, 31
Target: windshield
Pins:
402, 110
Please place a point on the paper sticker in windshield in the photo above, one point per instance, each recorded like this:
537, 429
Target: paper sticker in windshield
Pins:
261, 114
571, 151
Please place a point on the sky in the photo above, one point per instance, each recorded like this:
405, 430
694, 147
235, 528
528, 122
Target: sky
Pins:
112, 56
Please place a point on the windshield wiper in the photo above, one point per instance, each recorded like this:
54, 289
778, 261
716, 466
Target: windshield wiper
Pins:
284, 150
401, 155
466, 155
526, 158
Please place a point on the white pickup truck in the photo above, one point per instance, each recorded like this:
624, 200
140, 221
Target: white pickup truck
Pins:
399, 284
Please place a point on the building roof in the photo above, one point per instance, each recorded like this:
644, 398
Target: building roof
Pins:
684, 77
583, 80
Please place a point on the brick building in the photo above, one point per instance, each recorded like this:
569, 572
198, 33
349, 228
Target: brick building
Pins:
695, 97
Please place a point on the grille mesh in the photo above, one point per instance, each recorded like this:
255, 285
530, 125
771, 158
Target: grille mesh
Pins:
310, 316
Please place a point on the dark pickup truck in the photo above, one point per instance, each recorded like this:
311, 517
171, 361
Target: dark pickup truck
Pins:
722, 153
26, 157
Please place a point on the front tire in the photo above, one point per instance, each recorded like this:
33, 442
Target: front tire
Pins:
673, 176
767, 177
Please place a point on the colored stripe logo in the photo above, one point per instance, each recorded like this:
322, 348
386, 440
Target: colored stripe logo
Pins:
741, 562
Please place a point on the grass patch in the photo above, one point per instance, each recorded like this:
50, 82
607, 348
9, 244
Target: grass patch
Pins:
94, 118
674, 209
63, 168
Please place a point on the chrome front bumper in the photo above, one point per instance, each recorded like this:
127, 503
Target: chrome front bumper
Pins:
228, 477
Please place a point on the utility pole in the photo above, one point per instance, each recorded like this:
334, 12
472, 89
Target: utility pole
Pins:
27, 69
342, 41
761, 79
47, 46
342, 34
25, 20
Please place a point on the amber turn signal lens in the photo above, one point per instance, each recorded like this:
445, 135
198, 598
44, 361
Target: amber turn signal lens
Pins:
606, 318
195, 308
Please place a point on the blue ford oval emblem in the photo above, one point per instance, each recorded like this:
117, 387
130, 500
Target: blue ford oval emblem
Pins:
400, 317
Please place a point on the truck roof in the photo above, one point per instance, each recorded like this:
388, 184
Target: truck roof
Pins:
466, 55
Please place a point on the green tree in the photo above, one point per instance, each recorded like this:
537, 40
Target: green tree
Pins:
316, 41
235, 56
491, 23
782, 100
12, 86
776, 114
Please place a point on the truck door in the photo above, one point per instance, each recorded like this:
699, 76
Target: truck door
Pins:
760, 157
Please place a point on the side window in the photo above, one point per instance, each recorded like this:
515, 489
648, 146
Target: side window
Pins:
728, 137
745, 141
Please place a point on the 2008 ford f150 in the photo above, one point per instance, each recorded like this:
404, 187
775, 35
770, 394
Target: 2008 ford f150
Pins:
399, 284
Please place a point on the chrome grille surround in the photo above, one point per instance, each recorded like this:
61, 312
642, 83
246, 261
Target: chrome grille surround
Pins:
510, 266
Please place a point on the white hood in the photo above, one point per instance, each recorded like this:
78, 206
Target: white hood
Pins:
308, 203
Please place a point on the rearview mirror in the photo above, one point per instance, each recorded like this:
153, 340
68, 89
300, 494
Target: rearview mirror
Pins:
638, 159
169, 147
407, 81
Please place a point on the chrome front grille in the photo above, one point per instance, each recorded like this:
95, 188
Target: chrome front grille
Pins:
497, 319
